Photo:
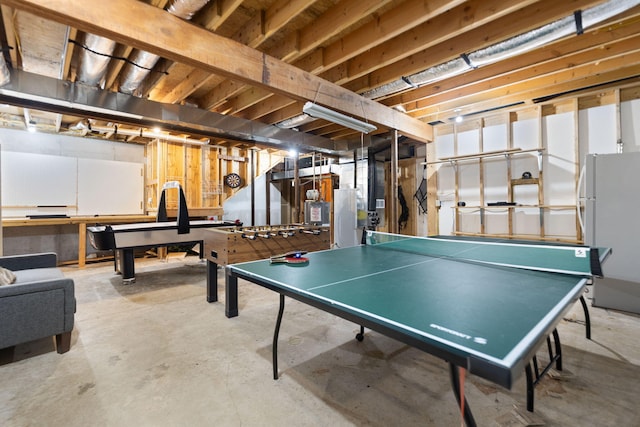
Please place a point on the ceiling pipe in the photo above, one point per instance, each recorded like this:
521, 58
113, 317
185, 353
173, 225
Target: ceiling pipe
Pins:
574, 24
94, 59
133, 75
115, 130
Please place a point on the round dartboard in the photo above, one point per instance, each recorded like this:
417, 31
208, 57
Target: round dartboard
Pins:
233, 180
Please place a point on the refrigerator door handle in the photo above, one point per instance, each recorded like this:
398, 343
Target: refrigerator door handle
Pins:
580, 199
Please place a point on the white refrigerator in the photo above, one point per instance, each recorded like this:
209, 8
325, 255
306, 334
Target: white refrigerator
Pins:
612, 219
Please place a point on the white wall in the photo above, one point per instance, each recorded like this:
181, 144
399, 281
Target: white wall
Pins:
70, 146
79, 176
565, 148
61, 239
239, 206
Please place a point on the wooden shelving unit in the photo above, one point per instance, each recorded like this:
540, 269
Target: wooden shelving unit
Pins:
513, 206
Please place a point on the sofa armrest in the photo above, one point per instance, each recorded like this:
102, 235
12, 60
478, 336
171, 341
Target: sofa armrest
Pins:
38, 286
28, 261
35, 310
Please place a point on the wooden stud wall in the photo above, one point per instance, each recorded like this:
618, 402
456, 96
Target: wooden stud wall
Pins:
200, 170
196, 168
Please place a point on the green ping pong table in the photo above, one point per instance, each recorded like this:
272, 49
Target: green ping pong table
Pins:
484, 307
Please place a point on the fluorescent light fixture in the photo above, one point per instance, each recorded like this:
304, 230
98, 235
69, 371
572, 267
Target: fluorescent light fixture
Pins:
319, 112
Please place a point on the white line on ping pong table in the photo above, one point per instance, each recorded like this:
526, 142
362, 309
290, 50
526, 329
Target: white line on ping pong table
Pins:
476, 244
326, 285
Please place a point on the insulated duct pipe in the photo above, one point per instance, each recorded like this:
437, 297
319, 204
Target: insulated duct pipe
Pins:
98, 51
574, 24
133, 75
5, 76
94, 59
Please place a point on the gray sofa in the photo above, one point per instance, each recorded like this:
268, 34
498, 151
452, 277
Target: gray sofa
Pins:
40, 303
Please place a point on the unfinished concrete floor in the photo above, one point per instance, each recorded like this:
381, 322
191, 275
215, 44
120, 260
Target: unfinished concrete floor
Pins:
155, 353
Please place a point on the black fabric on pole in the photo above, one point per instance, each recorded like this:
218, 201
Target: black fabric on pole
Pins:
421, 195
183, 212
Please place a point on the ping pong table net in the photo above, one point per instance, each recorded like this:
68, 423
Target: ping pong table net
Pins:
570, 259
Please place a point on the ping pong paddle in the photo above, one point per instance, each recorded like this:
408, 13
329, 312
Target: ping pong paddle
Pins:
294, 257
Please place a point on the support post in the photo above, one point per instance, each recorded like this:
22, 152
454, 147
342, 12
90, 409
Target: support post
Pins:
393, 197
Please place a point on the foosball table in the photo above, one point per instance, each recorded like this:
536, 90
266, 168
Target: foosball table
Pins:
231, 245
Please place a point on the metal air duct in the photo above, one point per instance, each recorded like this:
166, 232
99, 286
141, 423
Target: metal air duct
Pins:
5, 76
30, 90
94, 59
133, 75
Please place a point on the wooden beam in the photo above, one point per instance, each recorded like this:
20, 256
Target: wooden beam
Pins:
470, 15
168, 36
217, 14
259, 29
566, 53
211, 17
389, 25
566, 81
281, 13
338, 18
472, 39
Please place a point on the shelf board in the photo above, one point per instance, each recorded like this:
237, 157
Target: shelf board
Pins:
565, 207
497, 153
525, 181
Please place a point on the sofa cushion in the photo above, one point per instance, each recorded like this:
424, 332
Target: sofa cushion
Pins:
7, 276
37, 275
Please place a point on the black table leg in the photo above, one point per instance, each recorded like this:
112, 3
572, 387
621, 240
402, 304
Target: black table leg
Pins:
276, 332
587, 318
127, 267
455, 383
212, 281
530, 384
231, 295
558, 347
534, 374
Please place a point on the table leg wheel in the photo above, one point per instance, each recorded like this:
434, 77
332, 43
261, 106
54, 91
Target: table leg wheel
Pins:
360, 335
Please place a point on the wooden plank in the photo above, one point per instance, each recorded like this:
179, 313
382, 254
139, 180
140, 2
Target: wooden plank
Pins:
388, 26
535, 87
315, 59
433, 212
103, 219
524, 181
435, 31
82, 244
499, 30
